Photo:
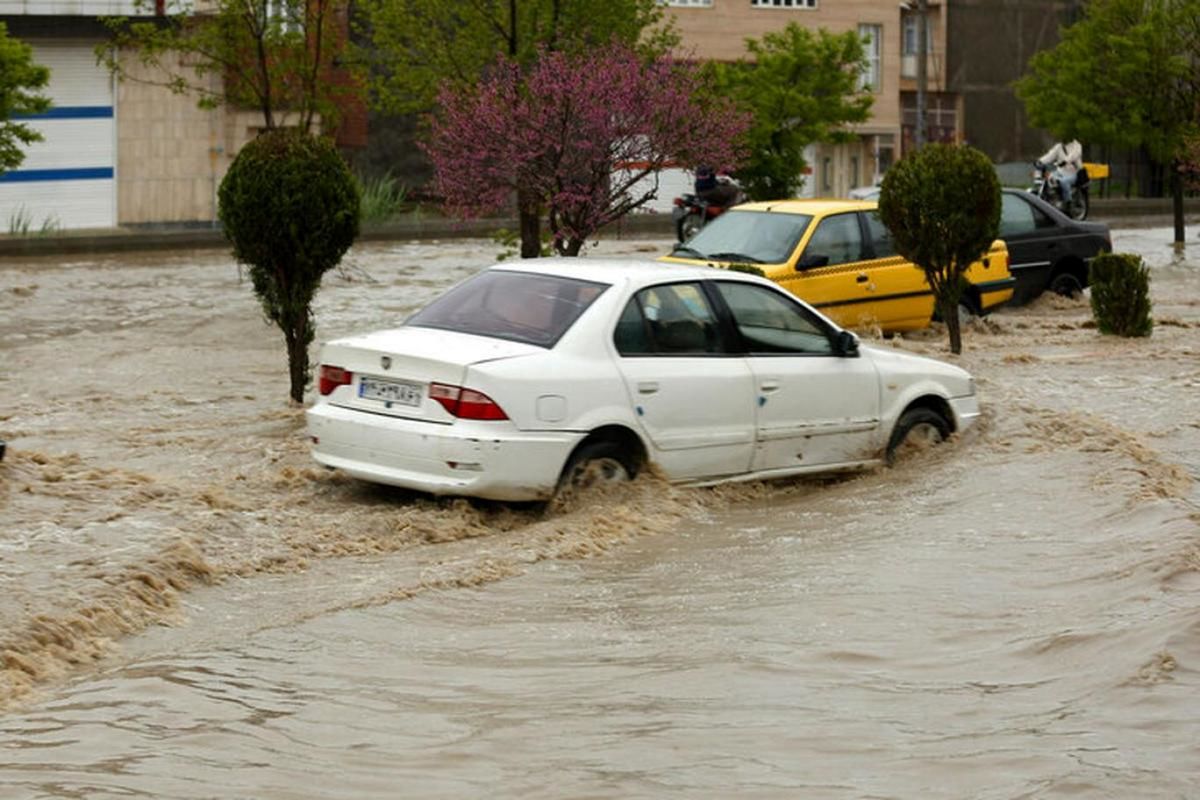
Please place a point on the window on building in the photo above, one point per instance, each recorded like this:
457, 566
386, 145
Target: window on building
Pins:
827, 174
910, 43
871, 78
289, 14
783, 3
853, 171
685, 3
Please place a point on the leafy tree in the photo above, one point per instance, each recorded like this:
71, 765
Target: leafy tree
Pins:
574, 134
290, 206
416, 46
942, 206
273, 55
20, 80
800, 87
1127, 74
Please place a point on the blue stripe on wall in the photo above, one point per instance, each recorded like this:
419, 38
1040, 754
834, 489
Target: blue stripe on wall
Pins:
77, 174
71, 112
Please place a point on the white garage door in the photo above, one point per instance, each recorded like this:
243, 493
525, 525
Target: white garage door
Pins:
67, 180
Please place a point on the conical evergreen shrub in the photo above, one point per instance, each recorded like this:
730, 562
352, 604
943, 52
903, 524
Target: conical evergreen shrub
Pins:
1120, 294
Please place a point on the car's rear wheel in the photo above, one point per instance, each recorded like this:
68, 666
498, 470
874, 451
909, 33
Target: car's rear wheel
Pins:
917, 430
1066, 284
597, 464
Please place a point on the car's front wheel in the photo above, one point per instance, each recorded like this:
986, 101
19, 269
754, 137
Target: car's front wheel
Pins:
917, 430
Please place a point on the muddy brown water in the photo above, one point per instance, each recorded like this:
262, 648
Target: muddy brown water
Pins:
189, 608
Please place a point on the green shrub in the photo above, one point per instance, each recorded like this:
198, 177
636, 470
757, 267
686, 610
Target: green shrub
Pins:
383, 197
290, 206
942, 206
1120, 294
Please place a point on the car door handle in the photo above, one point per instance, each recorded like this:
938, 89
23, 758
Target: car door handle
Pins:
770, 386
862, 278
647, 387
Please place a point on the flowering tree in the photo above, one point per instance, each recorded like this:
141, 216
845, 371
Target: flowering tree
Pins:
573, 137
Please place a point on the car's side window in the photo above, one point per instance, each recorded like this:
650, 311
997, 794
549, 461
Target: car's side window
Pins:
771, 323
673, 319
881, 237
837, 238
1016, 216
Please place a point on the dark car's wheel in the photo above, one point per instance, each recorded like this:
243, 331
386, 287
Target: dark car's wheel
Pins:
689, 226
597, 463
917, 430
1066, 284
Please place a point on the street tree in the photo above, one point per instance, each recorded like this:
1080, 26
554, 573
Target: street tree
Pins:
1127, 74
800, 87
282, 57
581, 136
290, 206
414, 47
20, 83
941, 205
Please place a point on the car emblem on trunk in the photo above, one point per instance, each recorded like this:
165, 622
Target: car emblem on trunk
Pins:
386, 362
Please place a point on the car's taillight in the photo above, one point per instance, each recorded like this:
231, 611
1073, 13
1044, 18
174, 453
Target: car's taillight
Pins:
465, 403
679, 202
332, 377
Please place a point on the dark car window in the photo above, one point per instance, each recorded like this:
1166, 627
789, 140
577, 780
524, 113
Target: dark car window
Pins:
1016, 216
519, 306
771, 323
838, 238
672, 319
881, 237
765, 237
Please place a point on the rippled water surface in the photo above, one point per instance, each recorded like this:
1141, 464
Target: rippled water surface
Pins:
190, 609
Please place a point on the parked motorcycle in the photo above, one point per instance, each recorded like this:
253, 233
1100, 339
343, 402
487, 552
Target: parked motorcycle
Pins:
691, 212
1045, 185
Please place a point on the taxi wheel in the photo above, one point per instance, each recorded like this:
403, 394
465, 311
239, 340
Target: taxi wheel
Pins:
917, 430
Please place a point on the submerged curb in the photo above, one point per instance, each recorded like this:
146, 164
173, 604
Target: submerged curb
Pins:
1131, 213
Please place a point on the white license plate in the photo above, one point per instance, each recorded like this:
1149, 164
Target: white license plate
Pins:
407, 394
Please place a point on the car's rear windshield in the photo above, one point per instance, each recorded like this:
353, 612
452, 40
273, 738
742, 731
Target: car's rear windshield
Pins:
518, 306
763, 237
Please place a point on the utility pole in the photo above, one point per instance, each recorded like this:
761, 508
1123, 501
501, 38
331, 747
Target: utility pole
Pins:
922, 68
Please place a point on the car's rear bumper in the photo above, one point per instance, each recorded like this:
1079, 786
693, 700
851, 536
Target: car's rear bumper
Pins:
492, 460
993, 294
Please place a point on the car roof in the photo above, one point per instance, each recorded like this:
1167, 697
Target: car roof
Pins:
815, 207
617, 270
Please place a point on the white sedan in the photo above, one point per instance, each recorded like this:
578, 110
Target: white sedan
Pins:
529, 376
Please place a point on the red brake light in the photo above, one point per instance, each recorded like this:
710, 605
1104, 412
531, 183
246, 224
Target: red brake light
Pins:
465, 403
333, 377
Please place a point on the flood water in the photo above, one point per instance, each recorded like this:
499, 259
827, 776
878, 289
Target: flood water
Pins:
189, 608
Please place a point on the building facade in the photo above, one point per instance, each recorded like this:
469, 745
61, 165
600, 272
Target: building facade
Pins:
717, 29
118, 153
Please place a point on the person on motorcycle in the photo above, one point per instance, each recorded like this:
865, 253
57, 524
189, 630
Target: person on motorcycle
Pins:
715, 189
1067, 160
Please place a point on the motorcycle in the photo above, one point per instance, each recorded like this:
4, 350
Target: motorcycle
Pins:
691, 212
1045, 186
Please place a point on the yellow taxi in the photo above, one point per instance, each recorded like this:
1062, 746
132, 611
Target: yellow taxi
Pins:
837, 256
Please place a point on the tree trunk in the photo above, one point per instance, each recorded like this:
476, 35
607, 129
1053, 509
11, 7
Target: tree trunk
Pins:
948, 309
1177, 201
531, 225
296, 336
573, 246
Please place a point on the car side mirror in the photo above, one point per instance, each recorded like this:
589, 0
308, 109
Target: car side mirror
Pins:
846, 345
812, 260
